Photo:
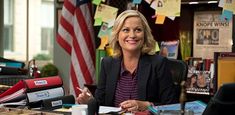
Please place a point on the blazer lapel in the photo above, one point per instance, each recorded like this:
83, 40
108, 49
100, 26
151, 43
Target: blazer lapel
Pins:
143, 75
113, 77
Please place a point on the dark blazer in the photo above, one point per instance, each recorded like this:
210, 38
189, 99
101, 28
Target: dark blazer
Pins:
154, 80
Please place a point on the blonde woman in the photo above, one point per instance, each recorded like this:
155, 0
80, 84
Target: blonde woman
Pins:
135, 77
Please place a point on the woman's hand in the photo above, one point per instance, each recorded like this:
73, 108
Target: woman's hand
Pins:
135, 105
84, 96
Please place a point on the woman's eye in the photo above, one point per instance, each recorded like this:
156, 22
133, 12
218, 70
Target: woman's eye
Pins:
125, 30
138, 30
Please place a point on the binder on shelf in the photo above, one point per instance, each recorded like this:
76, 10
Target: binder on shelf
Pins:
11, 63
12, 71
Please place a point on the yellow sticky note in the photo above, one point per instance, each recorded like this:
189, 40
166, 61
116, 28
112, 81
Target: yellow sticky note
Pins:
104, 41
160, 19
96, 2
98, 22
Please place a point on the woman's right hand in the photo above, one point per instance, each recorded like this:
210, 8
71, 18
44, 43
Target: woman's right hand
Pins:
84, 96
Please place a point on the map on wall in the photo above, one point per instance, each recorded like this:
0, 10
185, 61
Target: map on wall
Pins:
211, 34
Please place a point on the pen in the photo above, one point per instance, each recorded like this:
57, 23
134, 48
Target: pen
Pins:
82, 91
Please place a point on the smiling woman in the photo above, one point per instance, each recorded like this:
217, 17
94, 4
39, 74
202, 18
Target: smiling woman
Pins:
135, 77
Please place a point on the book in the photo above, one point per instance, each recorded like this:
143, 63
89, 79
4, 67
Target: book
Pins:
197, 107
169, 49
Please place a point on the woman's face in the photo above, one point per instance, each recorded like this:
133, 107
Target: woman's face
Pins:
193, 79
131, 35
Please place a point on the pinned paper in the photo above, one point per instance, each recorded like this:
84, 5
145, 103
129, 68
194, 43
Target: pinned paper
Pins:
137, 1
221, 3
226, 15
96, 2
104, 41
105, 30
153, 5
171, 17
229, 5
107, 13
98, 22
160, 19
168, 7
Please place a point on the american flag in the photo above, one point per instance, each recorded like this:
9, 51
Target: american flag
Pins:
76, 36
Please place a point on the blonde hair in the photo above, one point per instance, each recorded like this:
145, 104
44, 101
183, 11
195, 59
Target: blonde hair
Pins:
149, 42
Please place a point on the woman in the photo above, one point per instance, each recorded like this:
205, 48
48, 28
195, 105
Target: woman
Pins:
135, 77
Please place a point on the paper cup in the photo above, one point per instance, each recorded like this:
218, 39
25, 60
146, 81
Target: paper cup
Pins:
79, 110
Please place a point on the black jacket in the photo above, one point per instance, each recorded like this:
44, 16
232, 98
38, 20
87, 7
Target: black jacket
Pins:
154, 80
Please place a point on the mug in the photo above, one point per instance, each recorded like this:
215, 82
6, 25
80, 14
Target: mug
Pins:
79, 110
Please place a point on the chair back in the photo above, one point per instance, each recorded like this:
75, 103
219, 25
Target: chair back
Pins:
179, 71
223, 102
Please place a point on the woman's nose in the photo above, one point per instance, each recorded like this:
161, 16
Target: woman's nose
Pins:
132, 34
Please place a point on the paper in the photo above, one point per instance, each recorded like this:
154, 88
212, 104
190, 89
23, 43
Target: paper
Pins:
98, 22
107, 13
221, 3
168, 7
106, 109
96, 2
105, 30
153, 5
229, 5
160, 19
104, 41
226, 15
102, 109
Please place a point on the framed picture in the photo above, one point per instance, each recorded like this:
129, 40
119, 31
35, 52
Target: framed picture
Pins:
58, 15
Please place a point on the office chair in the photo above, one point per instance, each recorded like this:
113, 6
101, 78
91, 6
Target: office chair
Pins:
223, 102
179, 71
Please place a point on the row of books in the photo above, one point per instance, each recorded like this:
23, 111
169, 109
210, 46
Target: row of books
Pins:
46, 93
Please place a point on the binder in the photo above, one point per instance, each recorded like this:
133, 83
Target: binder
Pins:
55, 103
43, 83
44, 94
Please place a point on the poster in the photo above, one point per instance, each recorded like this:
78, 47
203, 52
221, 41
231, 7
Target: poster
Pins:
211, 34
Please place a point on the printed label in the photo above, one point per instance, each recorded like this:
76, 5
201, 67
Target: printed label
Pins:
56, 103
40, 82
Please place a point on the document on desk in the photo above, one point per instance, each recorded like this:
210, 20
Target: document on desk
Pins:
107, 109
102, 109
